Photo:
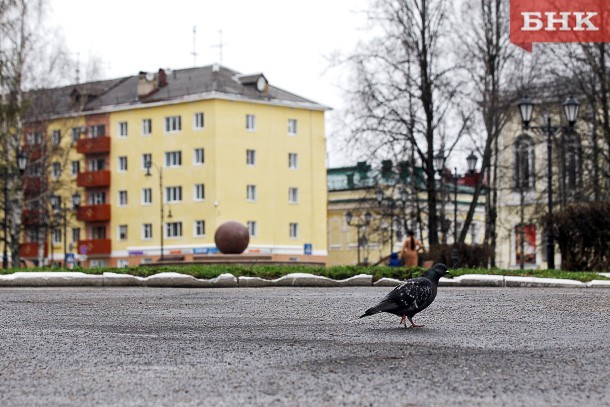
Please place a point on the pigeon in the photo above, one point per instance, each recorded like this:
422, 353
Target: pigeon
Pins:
411, 297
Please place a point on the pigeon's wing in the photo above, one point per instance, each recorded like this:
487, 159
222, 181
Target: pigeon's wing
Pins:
412, 293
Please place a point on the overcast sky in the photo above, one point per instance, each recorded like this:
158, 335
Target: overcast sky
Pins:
288, 41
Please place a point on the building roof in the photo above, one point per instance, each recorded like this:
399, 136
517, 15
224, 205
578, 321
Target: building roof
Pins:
164, 86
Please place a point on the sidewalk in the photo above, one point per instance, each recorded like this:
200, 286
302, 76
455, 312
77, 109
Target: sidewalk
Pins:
78, 279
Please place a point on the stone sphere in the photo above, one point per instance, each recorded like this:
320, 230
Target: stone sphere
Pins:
232, 238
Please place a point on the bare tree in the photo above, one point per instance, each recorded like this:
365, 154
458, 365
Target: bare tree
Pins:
31, 57
403, 90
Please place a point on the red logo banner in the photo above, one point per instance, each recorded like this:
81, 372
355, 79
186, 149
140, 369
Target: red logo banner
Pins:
559, 21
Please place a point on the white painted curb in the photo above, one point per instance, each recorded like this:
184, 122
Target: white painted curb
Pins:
183, 280
307, 280
50, 279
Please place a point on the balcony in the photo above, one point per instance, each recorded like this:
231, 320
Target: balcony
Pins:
93, 179
94, 247
96, 145
31, 216
32, 185
30, 250
93, 213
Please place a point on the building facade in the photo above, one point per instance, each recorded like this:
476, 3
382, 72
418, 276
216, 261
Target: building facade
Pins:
163, 159
403, 207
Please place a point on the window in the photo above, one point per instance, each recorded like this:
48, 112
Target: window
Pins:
199, 228
173, 159
173, 194
122, 129
123, 164
250, 157
250, 122
56, 236
571, 167
293, 195
98, 232
198, 156
122, 232
34, 138
147, 232
294, 230
146, 196
97, 130
98, 164
198, 121
524, 163
56, 170
97, 198
173, 124
252, 228
251, 192
146, 127
146, 158
75, 167
122, 198
56, 138
122, 263
75, 235
173, 229
199, 192
75, 134
292, 161
292, 127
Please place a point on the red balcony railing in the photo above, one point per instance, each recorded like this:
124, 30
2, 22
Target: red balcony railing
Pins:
93, 179
31, 216
93, 213
96, 145
32, 185
30, 250
93, 247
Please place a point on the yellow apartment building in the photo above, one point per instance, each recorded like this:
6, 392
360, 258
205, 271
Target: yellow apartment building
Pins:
161, 160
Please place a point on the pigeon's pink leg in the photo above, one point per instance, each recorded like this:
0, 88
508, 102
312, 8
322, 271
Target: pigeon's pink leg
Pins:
414, 325
403, 320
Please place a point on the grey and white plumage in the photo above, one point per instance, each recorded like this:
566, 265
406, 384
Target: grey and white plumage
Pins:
412, 296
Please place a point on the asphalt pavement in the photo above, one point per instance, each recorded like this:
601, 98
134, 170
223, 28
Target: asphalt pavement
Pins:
295, 346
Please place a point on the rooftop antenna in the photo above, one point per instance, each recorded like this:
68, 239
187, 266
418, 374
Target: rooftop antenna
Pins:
194, 53
219, 46
77, 68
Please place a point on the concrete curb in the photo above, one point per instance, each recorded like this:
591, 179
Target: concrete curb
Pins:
307, 280
78, 279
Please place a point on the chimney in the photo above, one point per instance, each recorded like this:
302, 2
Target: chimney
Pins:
161, 78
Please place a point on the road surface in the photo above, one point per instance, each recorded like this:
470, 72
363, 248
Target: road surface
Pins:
302, 346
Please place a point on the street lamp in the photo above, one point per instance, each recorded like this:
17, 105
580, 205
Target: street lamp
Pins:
22, 162
391, 204
571, 107
61, 210
358, 225
148, 164
439, 165
454, 251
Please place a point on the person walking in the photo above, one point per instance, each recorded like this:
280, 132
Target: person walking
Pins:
409, 250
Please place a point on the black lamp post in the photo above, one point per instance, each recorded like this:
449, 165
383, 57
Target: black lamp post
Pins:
391, 204
454, 250
439, 166
358, 225
22, 162
61, 210
148, 165
571, 108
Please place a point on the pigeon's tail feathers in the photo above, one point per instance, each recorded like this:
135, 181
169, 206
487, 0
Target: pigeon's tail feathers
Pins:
383, 306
